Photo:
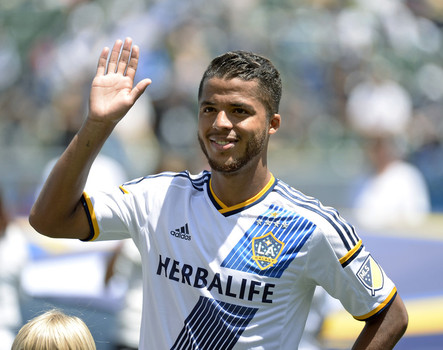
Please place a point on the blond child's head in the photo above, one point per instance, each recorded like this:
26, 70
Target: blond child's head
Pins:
54, 330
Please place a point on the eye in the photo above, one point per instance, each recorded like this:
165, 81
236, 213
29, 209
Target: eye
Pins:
207, 109
240, 110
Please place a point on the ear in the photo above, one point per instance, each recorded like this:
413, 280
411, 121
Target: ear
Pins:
274, 124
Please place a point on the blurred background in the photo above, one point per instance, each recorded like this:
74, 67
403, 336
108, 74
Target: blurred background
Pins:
362, 131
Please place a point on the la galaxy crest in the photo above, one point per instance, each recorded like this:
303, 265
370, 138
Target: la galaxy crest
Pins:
266, 249
271, 243
371, 275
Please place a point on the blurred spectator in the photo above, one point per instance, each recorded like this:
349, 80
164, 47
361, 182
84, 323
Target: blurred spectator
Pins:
13, 257
379, 106
395, 192
427, 132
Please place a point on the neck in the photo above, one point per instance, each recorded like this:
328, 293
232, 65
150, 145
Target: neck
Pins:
237, 188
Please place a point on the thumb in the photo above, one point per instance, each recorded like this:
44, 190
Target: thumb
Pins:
141, 86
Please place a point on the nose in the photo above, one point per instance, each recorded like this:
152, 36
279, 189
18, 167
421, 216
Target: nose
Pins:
222, 121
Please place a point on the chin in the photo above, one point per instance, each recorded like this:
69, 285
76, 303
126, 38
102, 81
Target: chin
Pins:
230, 168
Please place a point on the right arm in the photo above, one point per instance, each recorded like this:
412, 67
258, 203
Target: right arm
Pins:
58, 211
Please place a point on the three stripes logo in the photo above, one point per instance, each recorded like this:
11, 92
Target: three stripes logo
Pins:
182, 233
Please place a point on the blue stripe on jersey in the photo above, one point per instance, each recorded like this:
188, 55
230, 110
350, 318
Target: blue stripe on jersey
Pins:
344, 229
213, 324
197, 182
291, 231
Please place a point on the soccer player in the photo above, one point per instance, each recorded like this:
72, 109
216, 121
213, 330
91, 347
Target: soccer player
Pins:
231, 256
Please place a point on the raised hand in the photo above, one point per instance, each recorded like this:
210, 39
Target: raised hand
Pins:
113, 92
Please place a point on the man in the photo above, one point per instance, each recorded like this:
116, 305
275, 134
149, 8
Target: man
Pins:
231, 257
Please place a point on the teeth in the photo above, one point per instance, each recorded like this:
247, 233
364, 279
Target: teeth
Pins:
222, 143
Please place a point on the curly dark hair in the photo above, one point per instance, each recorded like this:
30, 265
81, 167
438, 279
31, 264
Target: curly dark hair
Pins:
248, 66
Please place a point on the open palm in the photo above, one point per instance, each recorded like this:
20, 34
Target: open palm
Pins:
112, 92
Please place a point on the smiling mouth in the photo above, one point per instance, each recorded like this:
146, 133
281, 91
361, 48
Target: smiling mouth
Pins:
222, 145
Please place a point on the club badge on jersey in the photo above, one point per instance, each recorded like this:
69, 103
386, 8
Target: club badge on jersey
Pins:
266, 250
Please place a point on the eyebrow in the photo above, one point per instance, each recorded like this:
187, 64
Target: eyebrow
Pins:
207, 103
235, 104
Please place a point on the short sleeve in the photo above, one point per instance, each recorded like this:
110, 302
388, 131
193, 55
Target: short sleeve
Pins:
355, 278
110, 214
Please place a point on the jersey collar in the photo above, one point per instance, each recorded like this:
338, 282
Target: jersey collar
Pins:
230, 210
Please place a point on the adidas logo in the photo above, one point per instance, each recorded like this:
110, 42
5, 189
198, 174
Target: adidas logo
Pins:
182, 233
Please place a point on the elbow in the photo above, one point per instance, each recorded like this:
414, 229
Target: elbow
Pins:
36, 222
403, 320
55, 224
398, 317
40, 223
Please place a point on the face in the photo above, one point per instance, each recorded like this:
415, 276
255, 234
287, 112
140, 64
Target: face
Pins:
233, 128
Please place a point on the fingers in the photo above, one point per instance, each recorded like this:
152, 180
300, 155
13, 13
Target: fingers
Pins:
133, 62
101, 66
124, 56
124, 62
115, 53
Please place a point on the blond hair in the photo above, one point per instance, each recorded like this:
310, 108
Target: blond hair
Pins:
54, 330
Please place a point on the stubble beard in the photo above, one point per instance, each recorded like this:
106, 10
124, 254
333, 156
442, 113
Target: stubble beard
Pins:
254, 147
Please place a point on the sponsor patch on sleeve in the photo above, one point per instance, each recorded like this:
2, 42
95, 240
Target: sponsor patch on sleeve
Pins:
370, 275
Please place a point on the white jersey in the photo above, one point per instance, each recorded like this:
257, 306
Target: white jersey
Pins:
241, 277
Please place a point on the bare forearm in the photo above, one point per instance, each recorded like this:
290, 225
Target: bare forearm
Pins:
385, 330
57, 211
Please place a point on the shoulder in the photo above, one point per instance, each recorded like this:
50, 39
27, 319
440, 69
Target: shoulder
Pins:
330, 224
165, 180
404, 170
